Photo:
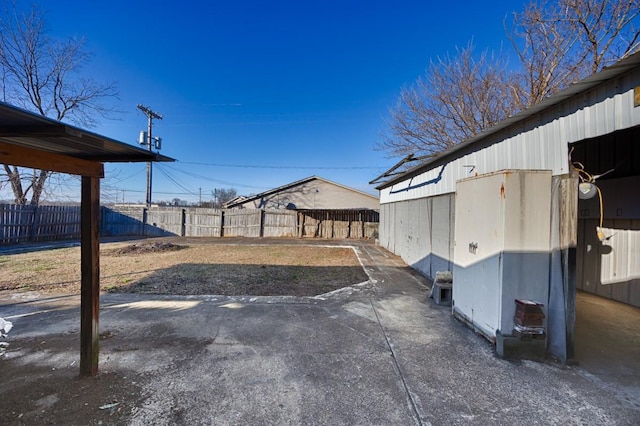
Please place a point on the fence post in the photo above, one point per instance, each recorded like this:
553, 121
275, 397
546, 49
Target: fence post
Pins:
222, 223
183, 227
34, 224
261, 223
144, 221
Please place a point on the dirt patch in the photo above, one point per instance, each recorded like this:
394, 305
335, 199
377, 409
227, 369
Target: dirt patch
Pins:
157, 247
166, 268
49, 387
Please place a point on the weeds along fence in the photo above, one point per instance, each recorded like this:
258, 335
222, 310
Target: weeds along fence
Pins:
19, 224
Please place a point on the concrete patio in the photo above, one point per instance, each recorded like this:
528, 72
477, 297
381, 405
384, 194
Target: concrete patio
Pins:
377, 353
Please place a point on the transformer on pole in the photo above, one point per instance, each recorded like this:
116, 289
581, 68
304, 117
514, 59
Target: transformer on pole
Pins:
146, 138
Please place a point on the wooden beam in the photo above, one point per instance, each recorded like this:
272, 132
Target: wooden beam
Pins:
90, 276
29, 157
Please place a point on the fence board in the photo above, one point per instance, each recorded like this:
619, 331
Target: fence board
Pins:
203, 223
164, 221
279, 223
122, 221
42, 223
242, 223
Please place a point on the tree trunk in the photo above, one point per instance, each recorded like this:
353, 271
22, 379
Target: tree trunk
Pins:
38, 186
16, 184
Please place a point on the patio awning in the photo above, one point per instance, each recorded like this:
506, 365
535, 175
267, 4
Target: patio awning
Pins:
29, 130
30, 140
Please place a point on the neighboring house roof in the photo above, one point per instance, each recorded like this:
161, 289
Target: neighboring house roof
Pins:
608, 73
266, 194
233, 201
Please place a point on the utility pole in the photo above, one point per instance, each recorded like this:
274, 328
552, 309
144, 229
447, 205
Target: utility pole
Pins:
149, 142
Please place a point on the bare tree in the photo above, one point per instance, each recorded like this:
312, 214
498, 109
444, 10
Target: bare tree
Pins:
41, 74
222, 195
557, 42
562, 41
456, 99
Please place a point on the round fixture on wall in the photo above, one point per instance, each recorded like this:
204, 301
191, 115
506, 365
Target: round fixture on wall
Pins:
586, 190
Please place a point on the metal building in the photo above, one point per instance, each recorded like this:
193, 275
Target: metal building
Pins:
588, 132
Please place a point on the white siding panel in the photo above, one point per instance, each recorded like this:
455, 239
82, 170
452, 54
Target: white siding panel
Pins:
622, 261
520, 152
543, 147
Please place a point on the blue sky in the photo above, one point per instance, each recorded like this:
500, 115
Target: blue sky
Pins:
257, 94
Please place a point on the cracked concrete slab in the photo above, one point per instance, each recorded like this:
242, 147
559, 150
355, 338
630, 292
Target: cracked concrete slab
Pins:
381, 354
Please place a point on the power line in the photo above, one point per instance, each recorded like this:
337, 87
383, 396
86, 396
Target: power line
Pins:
162, 169
210, 179
255, 166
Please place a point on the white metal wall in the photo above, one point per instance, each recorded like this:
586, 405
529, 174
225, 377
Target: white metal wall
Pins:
421, 232
538, 143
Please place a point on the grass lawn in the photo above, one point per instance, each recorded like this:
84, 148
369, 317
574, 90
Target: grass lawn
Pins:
165, 268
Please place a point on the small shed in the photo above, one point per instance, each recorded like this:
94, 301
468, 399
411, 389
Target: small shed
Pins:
312, 193
587, 133
30, 140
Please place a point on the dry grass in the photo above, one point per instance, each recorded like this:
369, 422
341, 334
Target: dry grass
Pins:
199, 269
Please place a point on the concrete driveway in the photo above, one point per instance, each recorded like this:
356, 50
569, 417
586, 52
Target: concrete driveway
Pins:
379, 353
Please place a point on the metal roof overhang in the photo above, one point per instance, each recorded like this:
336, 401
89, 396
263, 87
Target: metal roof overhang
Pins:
31, 131
577, 88
30, 140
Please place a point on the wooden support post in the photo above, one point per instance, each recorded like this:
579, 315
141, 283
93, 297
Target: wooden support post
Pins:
561, 308
90, 276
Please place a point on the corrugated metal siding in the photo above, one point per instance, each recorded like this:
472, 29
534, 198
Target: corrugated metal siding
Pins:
420, 231
610, 268
541, 142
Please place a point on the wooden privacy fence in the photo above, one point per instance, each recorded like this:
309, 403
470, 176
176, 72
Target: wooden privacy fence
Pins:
20, 224
203, 222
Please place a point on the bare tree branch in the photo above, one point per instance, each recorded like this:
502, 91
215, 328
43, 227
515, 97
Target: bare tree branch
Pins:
562, 41
44, 75
557, 42
456, 99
